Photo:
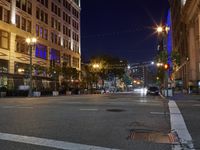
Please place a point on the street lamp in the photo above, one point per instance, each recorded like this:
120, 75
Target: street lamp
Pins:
159, 29
95, 66
31, 43
163, 30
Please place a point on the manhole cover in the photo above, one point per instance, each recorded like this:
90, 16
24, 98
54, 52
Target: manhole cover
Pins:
153, 136
115, 110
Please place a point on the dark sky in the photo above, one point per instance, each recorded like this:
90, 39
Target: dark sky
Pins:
121, 28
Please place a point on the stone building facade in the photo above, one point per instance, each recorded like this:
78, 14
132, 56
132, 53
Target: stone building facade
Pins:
185, 16
191, 17
55, 24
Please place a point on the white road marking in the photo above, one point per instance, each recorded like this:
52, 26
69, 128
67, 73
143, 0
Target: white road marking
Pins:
159, 113
8, 107
178, 125
196, 105
16, 107
49, 142
89, 109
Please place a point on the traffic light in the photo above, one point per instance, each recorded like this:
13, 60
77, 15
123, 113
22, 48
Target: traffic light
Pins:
166, 66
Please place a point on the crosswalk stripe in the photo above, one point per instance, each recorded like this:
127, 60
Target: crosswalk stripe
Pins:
49, 142
178, 125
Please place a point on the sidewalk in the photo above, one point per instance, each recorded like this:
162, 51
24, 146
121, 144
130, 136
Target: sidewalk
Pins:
181, 96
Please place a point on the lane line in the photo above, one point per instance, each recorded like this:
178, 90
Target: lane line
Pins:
178, 125
49, 142
89, 109
16, 107
196, 105
159, 113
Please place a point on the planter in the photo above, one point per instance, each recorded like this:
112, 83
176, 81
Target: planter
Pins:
37, 94
55, 93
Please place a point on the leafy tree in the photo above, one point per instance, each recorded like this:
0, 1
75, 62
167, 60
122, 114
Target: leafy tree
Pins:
54, 73
69, 75
109, 66
163, 57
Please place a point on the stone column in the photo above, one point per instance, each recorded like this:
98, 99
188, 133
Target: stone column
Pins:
13, 12
12, 53
198, 49
192, 57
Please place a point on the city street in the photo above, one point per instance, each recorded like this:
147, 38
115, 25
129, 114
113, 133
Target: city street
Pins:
189, 106
82, 122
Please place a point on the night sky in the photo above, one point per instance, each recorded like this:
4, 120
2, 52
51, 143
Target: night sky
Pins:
121, 28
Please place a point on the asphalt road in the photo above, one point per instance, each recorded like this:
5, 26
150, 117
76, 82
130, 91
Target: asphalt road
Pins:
82, 122
190, 109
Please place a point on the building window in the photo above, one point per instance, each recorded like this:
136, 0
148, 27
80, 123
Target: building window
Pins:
1, 13
63, 29
4, 39
59, 12
23, 24
17, 21
52, 22
55, 55
21, 46
45, 34
3, 66
55, 38
6, 16
29, 8
46, 3
37, 13
75, 62
21, 68
37, 30
41, 51
46, 18
52, 37
67, 60
28, 26
41, 31
42, 16
18, 3
24, 3
59, 40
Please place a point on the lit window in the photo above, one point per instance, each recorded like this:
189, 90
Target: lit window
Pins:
41, 32
37, 30
41, 51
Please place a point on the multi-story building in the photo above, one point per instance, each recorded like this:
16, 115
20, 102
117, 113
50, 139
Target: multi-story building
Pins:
55, 24
191, 17
186, 31
143, 72
179, 42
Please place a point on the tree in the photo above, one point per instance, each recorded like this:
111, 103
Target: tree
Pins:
54, 73
163, 57
69, 76
108, 67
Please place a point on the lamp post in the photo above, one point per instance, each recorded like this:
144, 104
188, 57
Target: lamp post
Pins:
31, 43
163, 30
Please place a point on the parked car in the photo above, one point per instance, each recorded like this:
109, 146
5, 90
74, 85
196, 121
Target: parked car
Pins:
153, 90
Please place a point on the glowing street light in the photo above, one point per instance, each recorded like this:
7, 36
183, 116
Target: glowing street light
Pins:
159, 29
31, 43
95, 66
